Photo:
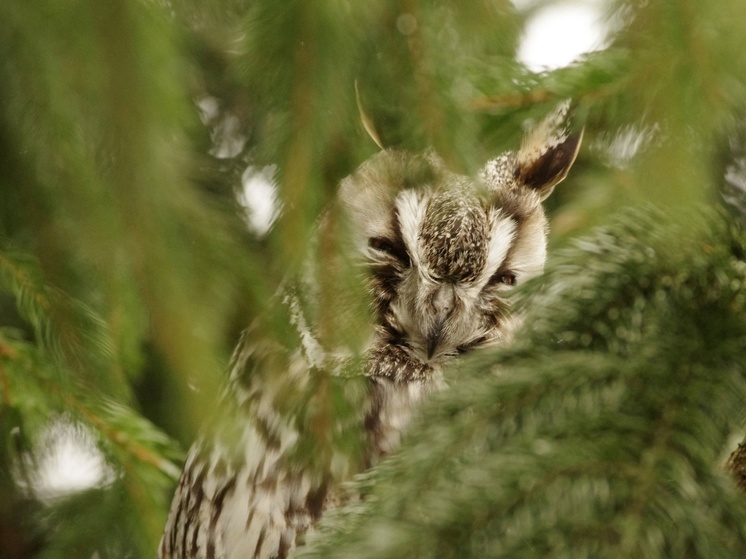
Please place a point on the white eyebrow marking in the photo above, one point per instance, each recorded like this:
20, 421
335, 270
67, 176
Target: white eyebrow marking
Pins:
502, 234
410, 209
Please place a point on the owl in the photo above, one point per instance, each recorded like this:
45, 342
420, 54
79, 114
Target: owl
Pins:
441, 252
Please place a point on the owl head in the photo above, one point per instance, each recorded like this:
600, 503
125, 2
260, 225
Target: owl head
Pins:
443, 249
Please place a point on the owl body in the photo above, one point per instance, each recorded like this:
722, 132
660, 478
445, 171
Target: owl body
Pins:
442, 251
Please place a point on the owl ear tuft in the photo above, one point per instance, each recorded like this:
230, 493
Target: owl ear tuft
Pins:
547, 152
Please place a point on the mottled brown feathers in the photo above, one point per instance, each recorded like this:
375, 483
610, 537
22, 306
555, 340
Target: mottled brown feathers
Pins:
454, 234
441, 253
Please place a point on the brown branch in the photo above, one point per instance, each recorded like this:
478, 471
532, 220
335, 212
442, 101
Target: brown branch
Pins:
511, 101
8, 351
698, 54
25, 282
535, 97
119, 437
430, 109
54, 311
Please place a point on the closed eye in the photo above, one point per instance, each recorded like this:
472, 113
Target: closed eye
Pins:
382, 245
502, 278
385, 246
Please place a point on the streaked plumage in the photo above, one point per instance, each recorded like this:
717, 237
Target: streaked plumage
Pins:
443, 250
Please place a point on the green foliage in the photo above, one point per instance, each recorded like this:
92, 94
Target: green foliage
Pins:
601, 434
127, 269
36, 390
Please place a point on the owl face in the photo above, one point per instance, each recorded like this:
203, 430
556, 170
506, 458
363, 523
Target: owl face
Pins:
444, 250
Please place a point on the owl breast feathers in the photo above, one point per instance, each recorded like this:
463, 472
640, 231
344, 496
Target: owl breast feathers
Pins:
442, 251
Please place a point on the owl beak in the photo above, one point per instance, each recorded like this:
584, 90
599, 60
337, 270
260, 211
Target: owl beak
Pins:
444, 301
434, 340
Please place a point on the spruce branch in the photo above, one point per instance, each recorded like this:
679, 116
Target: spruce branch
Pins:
69, 330
141, 455
599, 433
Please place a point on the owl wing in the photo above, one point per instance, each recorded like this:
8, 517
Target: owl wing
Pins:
251, 485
